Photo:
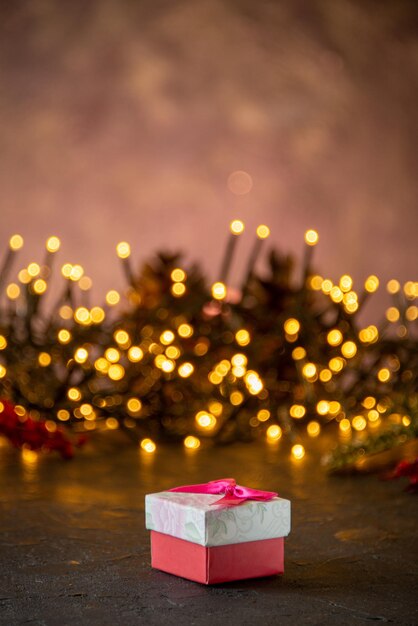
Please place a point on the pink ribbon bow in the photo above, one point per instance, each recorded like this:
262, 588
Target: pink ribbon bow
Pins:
233, 494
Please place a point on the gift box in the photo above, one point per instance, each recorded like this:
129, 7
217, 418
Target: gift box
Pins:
217, 532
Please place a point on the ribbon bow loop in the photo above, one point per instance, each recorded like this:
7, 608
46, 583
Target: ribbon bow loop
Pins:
232, 494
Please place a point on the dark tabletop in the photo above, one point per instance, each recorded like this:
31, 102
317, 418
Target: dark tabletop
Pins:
74, 549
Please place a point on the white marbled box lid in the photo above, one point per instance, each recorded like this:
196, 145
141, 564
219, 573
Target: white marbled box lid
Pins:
194, 517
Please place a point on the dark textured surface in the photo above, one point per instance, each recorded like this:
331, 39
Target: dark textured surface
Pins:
74, 549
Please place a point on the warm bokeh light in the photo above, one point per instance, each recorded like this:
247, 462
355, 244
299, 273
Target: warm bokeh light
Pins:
242, 337
185, 370
53, 244
112, 297
16, 242
298, 353
311, 237
297, 411
298, 451
273, 433
44, 359
148, 445
236, 227
371, 284
334, 337
178, 275
263, 231
393, 286
291, 326
219, 291
349, 349
191, 442
313, 429
123, 249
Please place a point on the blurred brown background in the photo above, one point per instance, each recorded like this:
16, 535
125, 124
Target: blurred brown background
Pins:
125, 120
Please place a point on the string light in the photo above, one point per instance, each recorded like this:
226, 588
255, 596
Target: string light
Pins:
263, 231
311, 237
236, 227
123, 249
53, 244
219, 291
16, 242
298, 451
191, 442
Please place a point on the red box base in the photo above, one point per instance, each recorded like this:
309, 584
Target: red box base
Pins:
218, 564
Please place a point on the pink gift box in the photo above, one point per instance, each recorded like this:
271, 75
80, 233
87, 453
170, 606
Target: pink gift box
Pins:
211, 539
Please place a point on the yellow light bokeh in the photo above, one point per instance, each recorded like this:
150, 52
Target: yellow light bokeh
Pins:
359, 422
123, 249
3, 342
178, 290
242, 337
273, 433
82, 315
97, 315
236, 227
346, 283
185, 370
298, 353
15, 242
349, 349
311, 237
148, 445
393, 286
322, 407
53, 244
298, 451
313, 429
371, 284
325, 375
392, 314
334, 337
33, 269
63, 415
383, 375
236, 398
336, 364
74, 394
13, 291
39, 286
185, 331
191, 443
112, 297
205, 420
263, 231
345, 426
81, 355
218, 291
135, 354
64, 336
291, 326
112, 355
44, 359
122, 338
167, 337
309, 371
315, 282
297, 411
263, 415
178, 275
134, 405
238, 360
116, 371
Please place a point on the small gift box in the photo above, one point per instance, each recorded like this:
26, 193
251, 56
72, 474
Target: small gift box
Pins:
217, 531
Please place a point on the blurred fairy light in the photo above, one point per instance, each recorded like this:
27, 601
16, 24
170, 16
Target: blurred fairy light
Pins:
180, 361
